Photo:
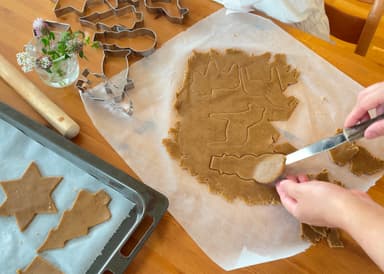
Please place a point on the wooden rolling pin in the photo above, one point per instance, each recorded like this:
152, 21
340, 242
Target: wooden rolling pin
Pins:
38, 100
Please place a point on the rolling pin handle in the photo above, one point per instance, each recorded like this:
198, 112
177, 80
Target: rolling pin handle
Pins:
38, 100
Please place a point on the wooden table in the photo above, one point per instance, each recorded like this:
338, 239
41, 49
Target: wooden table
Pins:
170, 249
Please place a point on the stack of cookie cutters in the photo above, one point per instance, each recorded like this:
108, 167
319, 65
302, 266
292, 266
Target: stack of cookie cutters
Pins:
118, 8
116, 32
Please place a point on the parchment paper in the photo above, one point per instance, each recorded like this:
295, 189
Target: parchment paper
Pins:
17, 249
232, 234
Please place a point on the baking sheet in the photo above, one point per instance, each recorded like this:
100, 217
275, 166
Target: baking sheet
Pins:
233, 235
17, 249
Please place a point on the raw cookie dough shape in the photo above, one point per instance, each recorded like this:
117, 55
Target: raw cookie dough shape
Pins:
218, 91
40, 266
264, 168
28, 196
88, 210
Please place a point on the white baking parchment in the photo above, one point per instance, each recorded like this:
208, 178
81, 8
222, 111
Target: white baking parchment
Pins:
17, 249
233, 235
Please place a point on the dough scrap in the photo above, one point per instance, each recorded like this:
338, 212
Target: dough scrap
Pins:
334, 239
315, 234
344, 153
365, 163
284, 148
360, 160
40, 266
88, 210
28, 196
226, 105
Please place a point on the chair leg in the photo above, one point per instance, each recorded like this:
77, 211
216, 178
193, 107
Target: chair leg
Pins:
370, 27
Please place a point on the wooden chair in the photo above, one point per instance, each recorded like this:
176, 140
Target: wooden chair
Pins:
354, 29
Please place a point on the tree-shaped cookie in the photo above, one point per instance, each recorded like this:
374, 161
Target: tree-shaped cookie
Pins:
28, 196
88, 210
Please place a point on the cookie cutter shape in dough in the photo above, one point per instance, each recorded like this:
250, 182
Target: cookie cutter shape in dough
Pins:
152, 8
119, 35
95, 20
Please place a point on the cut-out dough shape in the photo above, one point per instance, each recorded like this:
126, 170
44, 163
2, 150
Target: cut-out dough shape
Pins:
264, 168
40, 266
88, 210
28, 196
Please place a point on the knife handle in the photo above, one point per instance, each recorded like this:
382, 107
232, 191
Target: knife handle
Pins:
357, 131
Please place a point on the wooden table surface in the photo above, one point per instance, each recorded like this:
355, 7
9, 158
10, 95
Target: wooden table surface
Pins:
170, 249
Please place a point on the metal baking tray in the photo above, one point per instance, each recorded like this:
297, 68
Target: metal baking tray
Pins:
148, 202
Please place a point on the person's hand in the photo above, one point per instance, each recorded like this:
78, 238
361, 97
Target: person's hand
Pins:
319, 203
369, 98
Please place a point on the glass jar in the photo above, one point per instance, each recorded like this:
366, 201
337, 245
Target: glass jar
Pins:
61, 72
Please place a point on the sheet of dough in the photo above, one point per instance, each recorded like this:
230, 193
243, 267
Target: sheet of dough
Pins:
17, 249
260, 233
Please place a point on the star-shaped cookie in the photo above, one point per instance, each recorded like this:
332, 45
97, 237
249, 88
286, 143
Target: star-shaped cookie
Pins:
28, 196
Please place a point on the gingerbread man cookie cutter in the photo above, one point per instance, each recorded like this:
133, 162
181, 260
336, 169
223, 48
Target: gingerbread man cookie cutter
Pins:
178, 19
94, 20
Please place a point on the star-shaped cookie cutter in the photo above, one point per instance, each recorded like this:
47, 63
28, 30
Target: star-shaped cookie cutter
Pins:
152, 8
94, 20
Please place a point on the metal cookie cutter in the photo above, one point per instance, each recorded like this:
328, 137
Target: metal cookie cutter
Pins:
57, 26
62, 10
121, 3
88, 80
152, 8
95, 20
111, 90
102, 36
119, 96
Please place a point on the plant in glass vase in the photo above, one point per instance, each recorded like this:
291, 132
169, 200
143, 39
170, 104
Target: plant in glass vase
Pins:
53, 55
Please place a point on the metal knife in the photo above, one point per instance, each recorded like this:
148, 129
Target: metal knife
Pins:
348, 135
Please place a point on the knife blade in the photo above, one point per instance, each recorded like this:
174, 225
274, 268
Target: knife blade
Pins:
348, 135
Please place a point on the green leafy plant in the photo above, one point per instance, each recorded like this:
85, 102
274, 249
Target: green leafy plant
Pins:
51, 48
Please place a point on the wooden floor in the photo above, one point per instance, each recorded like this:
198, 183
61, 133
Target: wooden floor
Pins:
359, 8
